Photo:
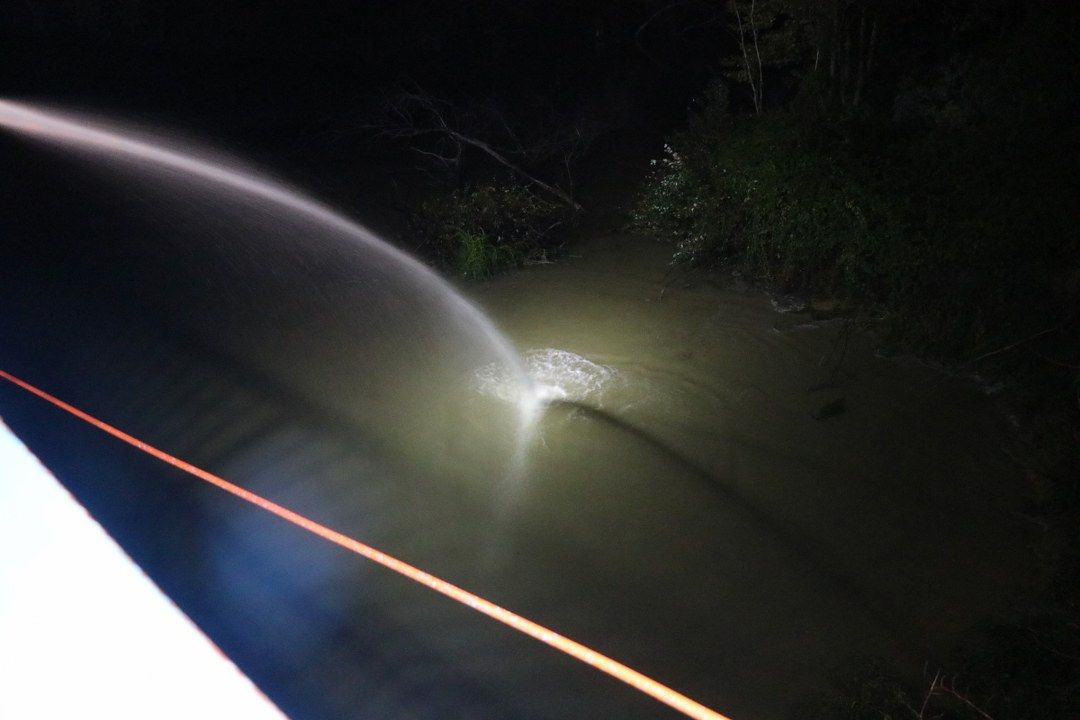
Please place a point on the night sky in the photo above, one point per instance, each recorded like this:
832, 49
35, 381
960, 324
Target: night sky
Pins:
269, 70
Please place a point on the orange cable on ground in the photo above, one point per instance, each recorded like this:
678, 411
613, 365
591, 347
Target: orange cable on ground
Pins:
576, 650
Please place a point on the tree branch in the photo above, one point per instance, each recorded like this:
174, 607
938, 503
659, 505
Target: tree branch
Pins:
416, 115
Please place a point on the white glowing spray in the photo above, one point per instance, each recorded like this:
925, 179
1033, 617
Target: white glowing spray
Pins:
116, 142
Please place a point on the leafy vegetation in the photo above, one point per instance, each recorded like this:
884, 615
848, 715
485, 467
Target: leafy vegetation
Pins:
951, 215
938, 194
481, 229
962, 251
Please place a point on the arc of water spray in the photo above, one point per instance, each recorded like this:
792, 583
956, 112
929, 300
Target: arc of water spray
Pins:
67, 130
633, 678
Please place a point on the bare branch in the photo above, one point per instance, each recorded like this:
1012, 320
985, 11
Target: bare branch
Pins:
436, 129
1016, 344
951, 690
746, 56
516, 169
934, 686
760, 100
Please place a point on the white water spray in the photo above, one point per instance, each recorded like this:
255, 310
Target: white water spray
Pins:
118, 143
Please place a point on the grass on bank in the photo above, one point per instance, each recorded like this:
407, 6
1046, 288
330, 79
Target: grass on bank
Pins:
479, 230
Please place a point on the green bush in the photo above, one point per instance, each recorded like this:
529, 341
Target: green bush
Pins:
956, 247
482, 229
478, 257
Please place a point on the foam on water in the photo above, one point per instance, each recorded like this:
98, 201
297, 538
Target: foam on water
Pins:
554, 374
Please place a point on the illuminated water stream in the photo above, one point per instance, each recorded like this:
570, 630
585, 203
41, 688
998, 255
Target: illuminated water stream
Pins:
680, 503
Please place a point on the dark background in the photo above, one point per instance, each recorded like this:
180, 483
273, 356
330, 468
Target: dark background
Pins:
294, 80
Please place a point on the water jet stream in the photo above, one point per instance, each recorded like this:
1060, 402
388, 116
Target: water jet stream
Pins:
576, 650
118, 143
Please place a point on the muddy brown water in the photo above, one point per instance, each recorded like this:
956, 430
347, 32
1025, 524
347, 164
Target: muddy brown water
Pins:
780, 539
684, 506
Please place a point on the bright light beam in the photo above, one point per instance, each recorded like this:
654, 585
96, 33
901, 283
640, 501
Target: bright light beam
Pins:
74, 607
576, 650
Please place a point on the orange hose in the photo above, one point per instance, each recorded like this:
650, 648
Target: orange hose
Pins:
574, 649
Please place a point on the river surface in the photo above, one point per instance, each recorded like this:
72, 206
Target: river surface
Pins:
683, 504
719, 515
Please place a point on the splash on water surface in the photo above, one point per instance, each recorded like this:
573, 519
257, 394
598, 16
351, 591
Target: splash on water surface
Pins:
555, 375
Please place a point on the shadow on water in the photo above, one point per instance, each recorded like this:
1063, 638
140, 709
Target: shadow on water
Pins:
795, 540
